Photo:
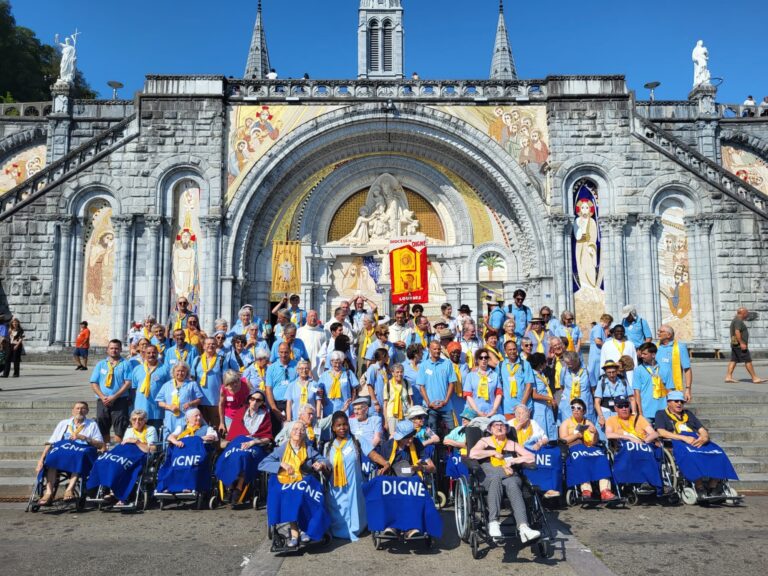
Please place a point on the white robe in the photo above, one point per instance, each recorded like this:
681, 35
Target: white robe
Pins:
314, 339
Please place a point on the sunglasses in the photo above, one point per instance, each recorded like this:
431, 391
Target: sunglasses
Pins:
527, 345
577, 408
256, 399
484, 357
676, 401
220, 337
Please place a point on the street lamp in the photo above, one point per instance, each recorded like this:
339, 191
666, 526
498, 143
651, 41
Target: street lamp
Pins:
115, 85
652, 86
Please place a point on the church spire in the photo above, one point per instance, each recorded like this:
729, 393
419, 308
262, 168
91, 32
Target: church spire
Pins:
258, 55
502, 65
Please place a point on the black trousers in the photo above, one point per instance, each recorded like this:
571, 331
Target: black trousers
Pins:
116, 414
13, 357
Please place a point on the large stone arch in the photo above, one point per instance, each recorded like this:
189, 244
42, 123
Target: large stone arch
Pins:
21, 140
414, 130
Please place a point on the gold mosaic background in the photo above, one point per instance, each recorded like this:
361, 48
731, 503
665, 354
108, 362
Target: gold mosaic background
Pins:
346, 217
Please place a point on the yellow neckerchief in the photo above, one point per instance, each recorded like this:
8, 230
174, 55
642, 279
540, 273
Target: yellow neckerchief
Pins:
422, 336
147, 333
295, 318
160, 346
498, 462
396, 398
188, 431
677, 367
175, 397
620, 348
261, 371
179, 318
469, 355
569, 336
206, 368
629, 426
142, 436
576, 384
304, 392
367, 342
680, 423
507, 337
539, 341
145, 385
495, 352
457, 388
411, 450
659, 390
311, 433
295, 459
544, 379
523, 434
512, 379
482, 387
75, 431
587, 437
179, 357
558, 372
339, 473
110, 373
335, 393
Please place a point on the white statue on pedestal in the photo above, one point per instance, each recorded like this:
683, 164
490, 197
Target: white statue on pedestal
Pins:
700, 56
68, 57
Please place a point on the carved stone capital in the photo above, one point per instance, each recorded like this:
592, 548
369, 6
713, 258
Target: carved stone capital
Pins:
122, 223
562, 223
212, 224
153, 221
614, 222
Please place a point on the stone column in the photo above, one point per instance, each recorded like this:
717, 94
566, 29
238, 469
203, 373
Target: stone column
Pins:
75, 296
612, 263
561, 252
153, 224
123, 226
209, 269
227, 287
59, 122
705, 302
707, 122
62, 280
643, 286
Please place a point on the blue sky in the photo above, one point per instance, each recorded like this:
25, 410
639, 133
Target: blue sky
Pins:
644, 41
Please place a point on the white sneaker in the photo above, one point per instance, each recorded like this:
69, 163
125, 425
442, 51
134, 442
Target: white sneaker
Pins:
494, 529
527, 533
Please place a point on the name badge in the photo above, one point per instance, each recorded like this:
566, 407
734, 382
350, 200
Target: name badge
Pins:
230, 398
347, 450
406, 469
428, 372
103, 371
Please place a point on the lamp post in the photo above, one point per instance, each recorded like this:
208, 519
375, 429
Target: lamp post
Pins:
115, 85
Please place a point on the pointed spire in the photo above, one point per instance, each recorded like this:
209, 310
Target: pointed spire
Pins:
503, 64
258, 55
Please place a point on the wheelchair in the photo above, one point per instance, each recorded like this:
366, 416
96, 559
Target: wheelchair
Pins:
471, 509
574, 495
633, 493
141, 496
57, 505
254, 494
437, 479
685, 490
197, 497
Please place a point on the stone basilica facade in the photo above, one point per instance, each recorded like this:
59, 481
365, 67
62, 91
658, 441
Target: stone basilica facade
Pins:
566, 186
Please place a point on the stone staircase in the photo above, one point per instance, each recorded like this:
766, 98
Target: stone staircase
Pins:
51, 176
709, 171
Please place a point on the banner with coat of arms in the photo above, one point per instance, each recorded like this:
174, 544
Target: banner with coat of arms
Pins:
286, 268
408, 266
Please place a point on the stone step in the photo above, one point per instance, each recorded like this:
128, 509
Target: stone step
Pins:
728, 422
730, 400
744, 465
732, 409
725, 436
18, 468
41, 415
65, 405
748, 449
20, 452
751, 482
23, 439
26, 425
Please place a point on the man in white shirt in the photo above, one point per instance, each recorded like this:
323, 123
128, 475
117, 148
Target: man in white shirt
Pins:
314, 338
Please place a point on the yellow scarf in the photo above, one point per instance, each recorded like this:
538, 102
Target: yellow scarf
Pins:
188, 431
587, 437
523, 434
411, 450
110, 374
457, 388
495, 352
470, 357
206, 368
295, 459
482, 387
546, 383
295, 318
539, 341
366, 342
558, 373
507, 338
498, 462
304, 392
75, 431
396, 397
142, 436
147, 333
179, 356
177, 324
311, 433
569, 336
335, 393
261, 372
677, 367
576, 385
620, 348
659, 390
339, 473
629, 426
175, 397
512, 379
145, 385
680, 423
422, 337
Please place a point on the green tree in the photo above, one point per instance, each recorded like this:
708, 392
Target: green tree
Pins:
29, 66
491, 260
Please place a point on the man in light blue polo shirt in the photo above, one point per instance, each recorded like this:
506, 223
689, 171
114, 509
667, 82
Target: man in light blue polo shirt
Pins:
520, 312
496, 316
181, 351
278, 378
649, 397
297, 349
109, 383
436, 378
637, 328
518, 369
674, 362
144, 398
208, 371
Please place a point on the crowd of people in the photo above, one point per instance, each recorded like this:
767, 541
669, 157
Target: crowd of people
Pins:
362, 388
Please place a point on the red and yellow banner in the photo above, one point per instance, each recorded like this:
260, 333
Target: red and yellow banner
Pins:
408, 270
286, 268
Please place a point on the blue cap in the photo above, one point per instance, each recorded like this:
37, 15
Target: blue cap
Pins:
675, 395
498, 418
621, 401
403, 429
468, 413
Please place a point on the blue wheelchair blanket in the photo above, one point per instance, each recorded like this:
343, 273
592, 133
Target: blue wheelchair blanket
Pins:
118, 470
302, 502
402, 503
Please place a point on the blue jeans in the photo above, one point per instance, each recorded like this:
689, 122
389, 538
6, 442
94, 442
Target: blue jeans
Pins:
445, 414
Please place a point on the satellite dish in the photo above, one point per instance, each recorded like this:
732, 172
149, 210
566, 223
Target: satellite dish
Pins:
115, 85
652, 86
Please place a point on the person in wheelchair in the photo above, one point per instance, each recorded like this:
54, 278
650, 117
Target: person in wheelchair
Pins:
678, 424
626, 427
424, 434
530, 435
78, 429
499, 475
290, 462
195, 426
404, 453
576, 431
